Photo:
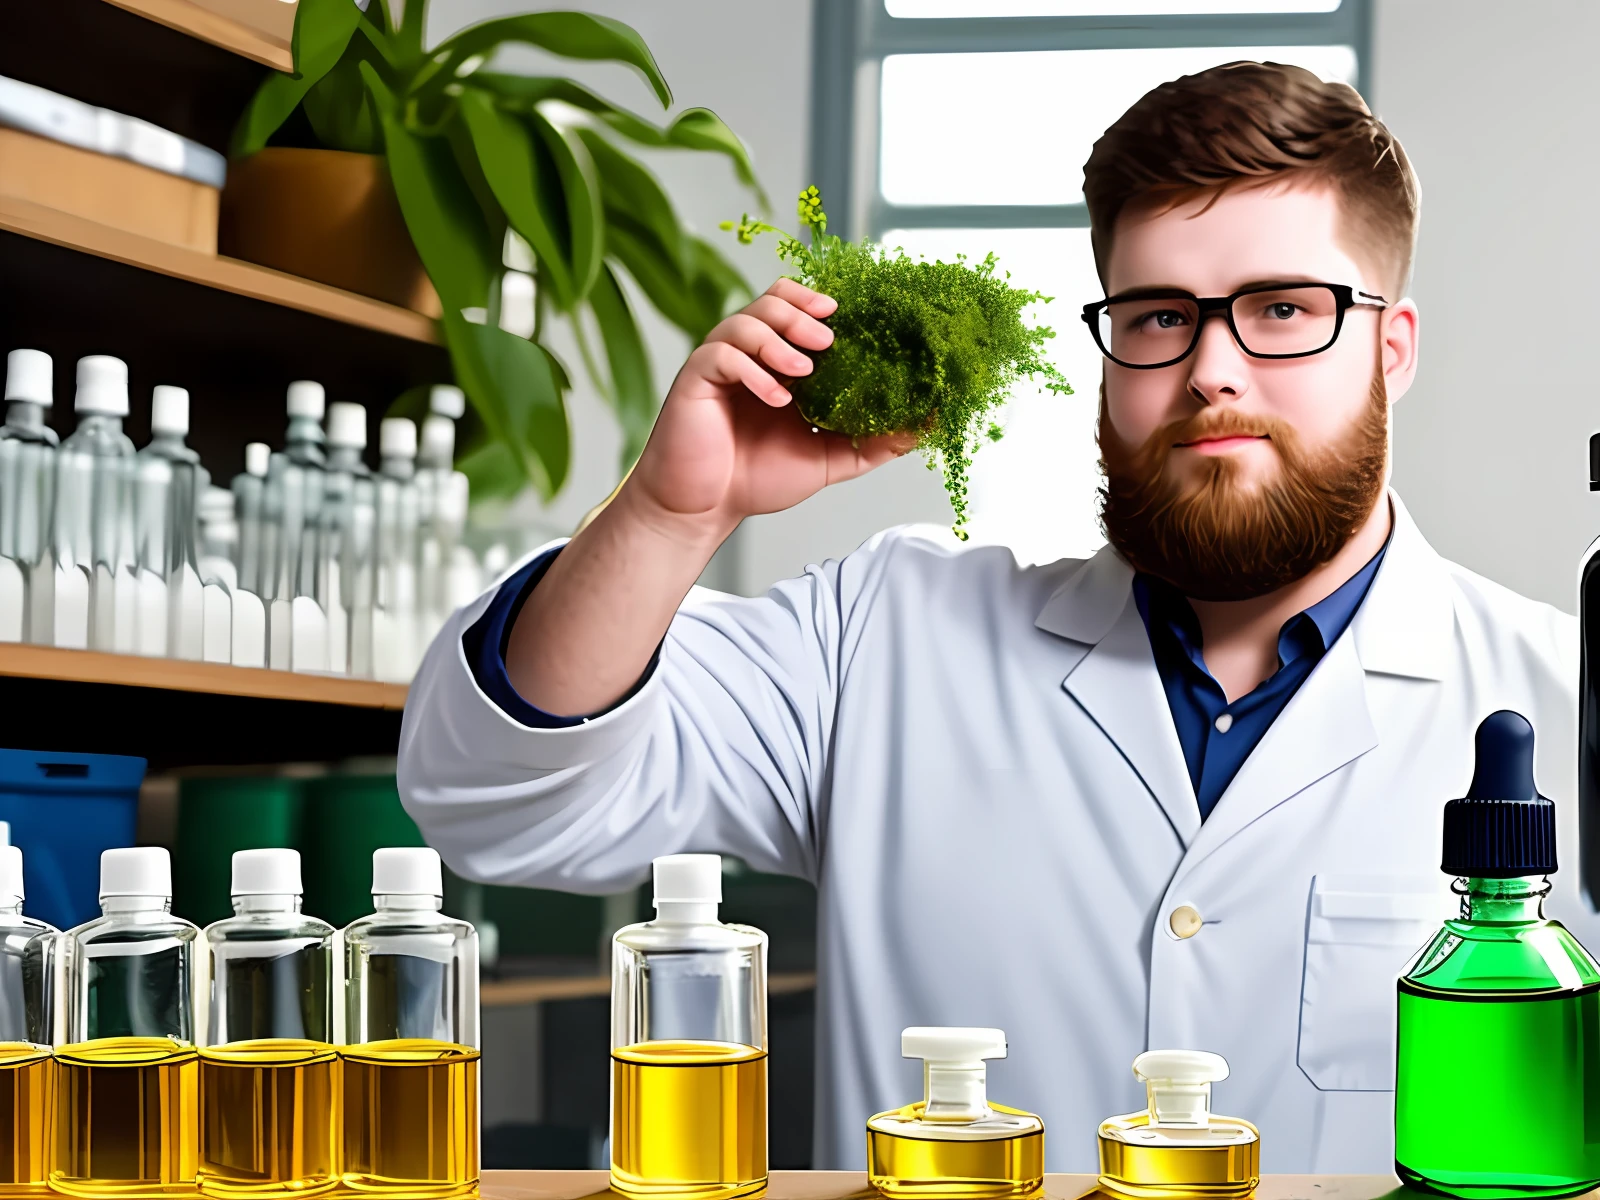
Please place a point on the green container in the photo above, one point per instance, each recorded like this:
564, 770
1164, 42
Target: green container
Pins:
347, 817
216, 816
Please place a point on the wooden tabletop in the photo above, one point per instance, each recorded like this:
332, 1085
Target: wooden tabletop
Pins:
838, 1185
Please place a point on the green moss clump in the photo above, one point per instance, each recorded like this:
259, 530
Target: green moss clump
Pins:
926, 348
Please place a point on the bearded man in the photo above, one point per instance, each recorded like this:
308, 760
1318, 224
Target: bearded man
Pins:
1186, 793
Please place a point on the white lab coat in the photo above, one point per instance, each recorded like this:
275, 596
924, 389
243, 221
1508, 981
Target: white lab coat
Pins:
976, 764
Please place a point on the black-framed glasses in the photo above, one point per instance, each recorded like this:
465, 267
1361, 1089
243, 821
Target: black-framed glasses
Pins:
1158, 327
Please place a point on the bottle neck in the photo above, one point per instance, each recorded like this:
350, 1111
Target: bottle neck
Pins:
168, 442
24, 416
303, 441
397, 467
135, 904
345, 458
955, 1092
686, 912
93, 422
1519, 899
282, 903
395, 902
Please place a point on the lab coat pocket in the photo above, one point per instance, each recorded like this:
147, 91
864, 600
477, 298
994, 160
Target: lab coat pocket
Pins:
1361, 932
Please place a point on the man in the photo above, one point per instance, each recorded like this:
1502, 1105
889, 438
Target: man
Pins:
1186, 793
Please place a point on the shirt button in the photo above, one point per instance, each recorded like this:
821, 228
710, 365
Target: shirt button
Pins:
1185, 921
1224, 722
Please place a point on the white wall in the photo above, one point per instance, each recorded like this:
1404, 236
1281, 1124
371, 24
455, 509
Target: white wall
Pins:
1495, 104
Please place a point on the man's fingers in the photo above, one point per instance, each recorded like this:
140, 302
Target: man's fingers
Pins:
760, 340
724, 363
793, 323
810, 302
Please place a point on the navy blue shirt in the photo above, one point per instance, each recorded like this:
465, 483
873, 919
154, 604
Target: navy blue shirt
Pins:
1214, 754
1217, 736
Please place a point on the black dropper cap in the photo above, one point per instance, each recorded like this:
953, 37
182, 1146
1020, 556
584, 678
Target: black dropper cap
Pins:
1594, 462
1502, 828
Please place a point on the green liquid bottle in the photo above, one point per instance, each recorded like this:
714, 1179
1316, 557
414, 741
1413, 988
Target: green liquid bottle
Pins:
1497, 1081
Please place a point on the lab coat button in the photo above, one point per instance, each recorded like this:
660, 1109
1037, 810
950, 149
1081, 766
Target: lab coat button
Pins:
1185, 921
1224, 722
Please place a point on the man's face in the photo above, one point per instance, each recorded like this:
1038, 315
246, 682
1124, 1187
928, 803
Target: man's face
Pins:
1212, 444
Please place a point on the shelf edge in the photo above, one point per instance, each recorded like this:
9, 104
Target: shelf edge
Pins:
212, 27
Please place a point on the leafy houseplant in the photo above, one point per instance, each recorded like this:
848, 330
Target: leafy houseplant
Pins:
928, 348
473, 152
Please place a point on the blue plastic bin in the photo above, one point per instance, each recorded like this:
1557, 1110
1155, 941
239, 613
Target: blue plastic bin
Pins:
65, 809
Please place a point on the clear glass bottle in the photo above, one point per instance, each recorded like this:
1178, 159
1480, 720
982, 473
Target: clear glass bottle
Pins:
96, 588
27, 1031
1177, 1147
127, 1117
688, 1043
344, 573
1497, 1063
27, 494
173, 608
256, 554
411, 1024
297, 628
442, 496
954, 1142
270, 1089
217, 545
395, 617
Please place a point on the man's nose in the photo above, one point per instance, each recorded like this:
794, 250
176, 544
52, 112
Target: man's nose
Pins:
1219, 370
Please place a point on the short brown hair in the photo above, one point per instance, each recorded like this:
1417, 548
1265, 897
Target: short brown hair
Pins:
1248, 123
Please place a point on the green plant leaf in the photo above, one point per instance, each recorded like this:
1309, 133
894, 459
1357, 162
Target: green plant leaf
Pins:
340, 111
580, 185
568, 34
632, 394
322, 30
510, 157
492, 470
629, 189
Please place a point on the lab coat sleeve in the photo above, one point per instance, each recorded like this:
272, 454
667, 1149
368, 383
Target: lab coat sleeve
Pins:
722, 749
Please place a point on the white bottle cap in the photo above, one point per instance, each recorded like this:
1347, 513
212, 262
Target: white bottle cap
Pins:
307, 399
347, 425
407, 871
954, 1079
397, 438
11, 873
687, 879
216, 504
269, 872
1178, 1084
136, 871
447, 400
439, 439
169, 409
28, 374
102, 386
257, 457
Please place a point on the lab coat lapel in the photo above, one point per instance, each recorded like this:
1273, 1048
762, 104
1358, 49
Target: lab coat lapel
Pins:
1117, 684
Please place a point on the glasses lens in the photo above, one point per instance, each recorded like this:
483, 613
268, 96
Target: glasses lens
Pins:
1146, 332
1291, 320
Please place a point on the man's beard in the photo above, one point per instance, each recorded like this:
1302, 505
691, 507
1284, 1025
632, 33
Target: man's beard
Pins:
1219, 539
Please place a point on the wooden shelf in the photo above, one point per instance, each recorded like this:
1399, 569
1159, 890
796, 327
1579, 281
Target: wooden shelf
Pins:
508, 993
215, 679
260, 30
215, 271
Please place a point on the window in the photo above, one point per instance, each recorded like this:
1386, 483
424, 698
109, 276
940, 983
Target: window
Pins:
962, 126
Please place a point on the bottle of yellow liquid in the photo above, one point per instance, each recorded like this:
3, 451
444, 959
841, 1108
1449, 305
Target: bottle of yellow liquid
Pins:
126, 1120
411, 1016
1177, 1148
689, 1044
954, 1142
27, 1021
269, 1074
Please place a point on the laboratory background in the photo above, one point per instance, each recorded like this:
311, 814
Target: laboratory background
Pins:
220, 691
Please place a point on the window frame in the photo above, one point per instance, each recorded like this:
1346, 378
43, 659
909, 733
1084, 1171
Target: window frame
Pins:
851, 38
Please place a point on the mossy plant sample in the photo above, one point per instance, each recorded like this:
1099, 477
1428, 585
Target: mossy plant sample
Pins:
925, 348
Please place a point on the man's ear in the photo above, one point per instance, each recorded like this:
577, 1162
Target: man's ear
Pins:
1399, 332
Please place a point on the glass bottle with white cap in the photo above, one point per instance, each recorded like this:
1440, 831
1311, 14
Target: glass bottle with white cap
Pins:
127, 1083
297, 628
96, 589
345, 542
442, 496
268, 1070
217, 547
954, 1142
394, 635
27, 479
27, 1031
411, 1028
1177, 1147
688, 1043
257, 550
169, 480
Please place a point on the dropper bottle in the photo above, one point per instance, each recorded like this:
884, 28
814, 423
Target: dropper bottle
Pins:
27, 487
1177, 1147
954, 1142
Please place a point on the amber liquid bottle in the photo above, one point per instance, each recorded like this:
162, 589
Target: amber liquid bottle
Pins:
27, 1009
